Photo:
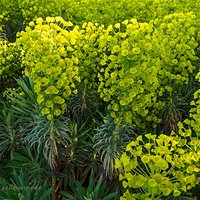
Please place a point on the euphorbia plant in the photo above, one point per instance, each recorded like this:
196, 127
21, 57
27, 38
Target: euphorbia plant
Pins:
47, 47
154, 167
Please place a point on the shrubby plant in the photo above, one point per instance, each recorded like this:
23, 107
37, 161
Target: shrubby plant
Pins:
143, 66
50, 63
154, 167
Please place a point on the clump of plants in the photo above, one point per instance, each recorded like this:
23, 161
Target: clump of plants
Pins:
135, 62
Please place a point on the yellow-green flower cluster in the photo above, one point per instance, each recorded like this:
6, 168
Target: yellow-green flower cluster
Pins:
128, 78
142, 61
49, 60
178, 34
157, 166
88, 52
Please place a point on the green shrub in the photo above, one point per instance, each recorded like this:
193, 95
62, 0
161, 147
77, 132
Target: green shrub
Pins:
157, 166
144, 64
50, 63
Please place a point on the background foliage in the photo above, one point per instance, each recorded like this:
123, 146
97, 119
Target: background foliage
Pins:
82, 81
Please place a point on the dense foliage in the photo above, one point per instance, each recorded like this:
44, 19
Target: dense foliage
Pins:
96, 93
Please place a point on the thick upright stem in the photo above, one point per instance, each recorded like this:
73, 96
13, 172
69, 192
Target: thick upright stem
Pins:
54, 196
53, 162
